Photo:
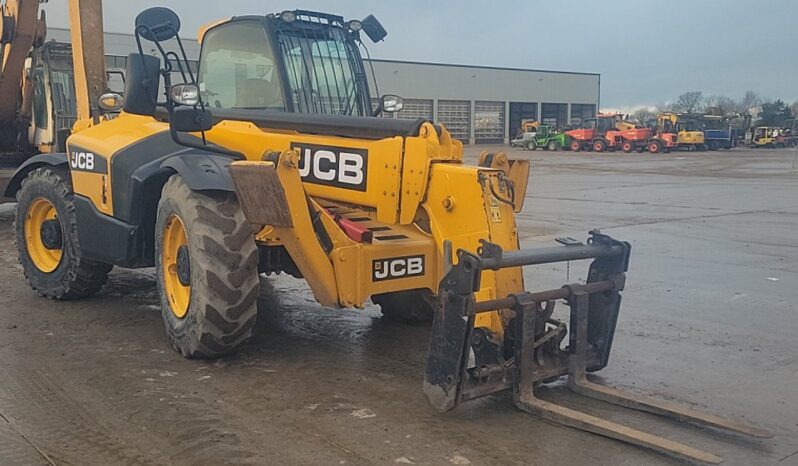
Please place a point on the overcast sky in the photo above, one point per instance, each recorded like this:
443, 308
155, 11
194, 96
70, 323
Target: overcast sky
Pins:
647, 51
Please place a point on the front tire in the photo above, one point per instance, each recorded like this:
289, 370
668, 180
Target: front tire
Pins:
47, 238
553, 146
627, 147
576, 146
599, 146
655, 147
207, 270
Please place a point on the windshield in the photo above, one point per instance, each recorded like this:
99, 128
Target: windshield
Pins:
62, 85
237, 68
323, 69
688, 125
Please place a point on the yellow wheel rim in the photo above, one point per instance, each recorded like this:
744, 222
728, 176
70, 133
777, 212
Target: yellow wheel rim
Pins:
44, 259
178, 295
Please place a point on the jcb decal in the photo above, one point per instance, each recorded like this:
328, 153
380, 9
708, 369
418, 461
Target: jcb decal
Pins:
342, 167
85, 161
397, 267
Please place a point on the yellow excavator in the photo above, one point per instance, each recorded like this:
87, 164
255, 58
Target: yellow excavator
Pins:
270, 160
38, 104
686, 130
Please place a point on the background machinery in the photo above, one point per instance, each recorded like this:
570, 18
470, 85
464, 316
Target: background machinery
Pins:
771, 137
525, 132
38, 100
544, 137
591, 134
629, 136
677, 131
608, 132
665, 138
269, 161
719, 131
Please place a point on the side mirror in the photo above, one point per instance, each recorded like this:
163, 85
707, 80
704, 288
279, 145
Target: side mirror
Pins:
157, 24
391, 103
185, 94
373, 28
110, 102
141, 84
192, 119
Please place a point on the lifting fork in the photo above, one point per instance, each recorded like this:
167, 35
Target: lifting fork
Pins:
458, 370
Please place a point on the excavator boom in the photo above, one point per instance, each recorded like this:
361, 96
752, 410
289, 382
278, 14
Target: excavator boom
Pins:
88, 55
21, 28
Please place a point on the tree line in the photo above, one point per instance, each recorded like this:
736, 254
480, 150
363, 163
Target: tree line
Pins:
763, 112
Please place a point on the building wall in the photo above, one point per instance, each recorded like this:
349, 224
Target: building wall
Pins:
490, 96
478, 104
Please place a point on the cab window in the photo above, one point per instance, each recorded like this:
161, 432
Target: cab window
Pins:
237, 68
39, 99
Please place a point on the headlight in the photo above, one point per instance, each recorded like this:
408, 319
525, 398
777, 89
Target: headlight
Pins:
184, 94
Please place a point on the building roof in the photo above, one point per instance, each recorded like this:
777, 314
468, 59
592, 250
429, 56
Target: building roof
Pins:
482, 67
116, 44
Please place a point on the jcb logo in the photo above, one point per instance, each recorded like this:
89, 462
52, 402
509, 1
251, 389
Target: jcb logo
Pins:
397, 267
81, 160
341, 167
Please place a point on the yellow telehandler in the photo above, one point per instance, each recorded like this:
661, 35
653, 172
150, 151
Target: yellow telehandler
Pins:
271, 160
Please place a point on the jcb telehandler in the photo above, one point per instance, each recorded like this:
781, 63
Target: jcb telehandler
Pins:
270, 160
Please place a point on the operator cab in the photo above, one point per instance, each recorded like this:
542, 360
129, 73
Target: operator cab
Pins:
601, 124
296, 62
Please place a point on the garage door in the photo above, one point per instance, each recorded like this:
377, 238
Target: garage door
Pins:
456, 116
416, 108
489, 122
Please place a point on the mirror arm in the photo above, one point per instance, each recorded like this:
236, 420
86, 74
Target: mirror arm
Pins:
170, 108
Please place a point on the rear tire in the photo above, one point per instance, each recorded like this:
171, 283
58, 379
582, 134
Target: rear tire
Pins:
553, 146
532, 145
51, 260
407, 306
210, 310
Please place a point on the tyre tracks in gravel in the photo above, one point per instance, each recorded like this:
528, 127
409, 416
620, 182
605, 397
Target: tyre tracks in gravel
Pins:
63, 429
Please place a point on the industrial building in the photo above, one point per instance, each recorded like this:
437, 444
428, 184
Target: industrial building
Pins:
478, 104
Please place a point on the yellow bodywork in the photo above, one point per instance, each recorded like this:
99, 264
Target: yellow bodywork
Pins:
419, 195
667, 122
690, 137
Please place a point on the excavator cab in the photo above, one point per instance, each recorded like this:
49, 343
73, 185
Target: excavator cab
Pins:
52, 91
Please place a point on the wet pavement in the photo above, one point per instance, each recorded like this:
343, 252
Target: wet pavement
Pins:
709, 318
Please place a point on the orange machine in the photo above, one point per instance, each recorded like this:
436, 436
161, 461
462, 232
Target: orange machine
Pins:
609, 132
